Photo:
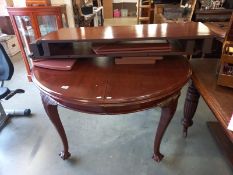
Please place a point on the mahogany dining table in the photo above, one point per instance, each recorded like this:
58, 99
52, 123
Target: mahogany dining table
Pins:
99, 86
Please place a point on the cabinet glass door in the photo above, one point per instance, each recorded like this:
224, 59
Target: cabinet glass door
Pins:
47, 24
26, 31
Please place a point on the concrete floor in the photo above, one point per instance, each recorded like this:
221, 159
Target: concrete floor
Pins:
103, 145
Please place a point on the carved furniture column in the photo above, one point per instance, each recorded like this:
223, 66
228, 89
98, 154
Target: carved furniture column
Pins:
190, 107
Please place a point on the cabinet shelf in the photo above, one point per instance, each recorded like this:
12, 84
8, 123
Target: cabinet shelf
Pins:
225, 77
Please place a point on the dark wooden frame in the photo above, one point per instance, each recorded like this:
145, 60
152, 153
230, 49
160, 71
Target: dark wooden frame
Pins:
185, 37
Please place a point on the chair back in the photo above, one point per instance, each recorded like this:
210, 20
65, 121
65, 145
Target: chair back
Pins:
6, 66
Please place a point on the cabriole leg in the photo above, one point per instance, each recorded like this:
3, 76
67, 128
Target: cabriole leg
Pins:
168, 110
50, 107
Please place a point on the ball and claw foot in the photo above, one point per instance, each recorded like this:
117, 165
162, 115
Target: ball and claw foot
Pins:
157, 157
64, 155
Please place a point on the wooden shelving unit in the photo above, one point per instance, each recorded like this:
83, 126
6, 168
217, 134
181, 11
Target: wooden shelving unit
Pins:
139, 40
225, 77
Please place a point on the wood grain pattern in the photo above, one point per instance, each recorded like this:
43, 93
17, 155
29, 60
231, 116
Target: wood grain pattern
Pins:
190, 106
100, 86
187, 30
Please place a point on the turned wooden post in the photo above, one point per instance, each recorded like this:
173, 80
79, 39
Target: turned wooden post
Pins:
190, 107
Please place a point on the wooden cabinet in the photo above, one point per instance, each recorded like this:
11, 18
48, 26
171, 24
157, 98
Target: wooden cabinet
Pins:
30, 23
225, 77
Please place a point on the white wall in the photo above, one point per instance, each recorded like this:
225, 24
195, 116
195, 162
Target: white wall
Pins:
19, 3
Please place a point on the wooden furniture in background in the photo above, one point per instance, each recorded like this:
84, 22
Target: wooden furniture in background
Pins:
218, 98
225, 77
217, 15
30, 23
159, 12
143, 11
176, 11
108, 9
190, 14
38, 3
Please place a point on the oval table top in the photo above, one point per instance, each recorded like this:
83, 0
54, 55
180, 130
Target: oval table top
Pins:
98, 85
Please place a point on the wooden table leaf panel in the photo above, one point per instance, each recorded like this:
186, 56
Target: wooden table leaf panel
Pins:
184, 38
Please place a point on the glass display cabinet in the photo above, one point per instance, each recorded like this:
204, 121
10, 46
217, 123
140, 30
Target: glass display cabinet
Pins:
30, 23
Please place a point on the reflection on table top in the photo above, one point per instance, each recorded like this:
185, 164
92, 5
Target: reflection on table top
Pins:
219, 28
186, 30
100, 82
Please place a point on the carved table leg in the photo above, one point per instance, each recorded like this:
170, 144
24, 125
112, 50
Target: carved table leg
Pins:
190, 107
168, 110
50, 107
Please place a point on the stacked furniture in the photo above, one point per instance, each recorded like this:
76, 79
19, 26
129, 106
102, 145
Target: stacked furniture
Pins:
143, 11
225, 77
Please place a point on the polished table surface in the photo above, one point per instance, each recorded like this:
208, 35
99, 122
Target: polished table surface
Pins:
184, 30
99, 86
107, 87
182, 38
219, 29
